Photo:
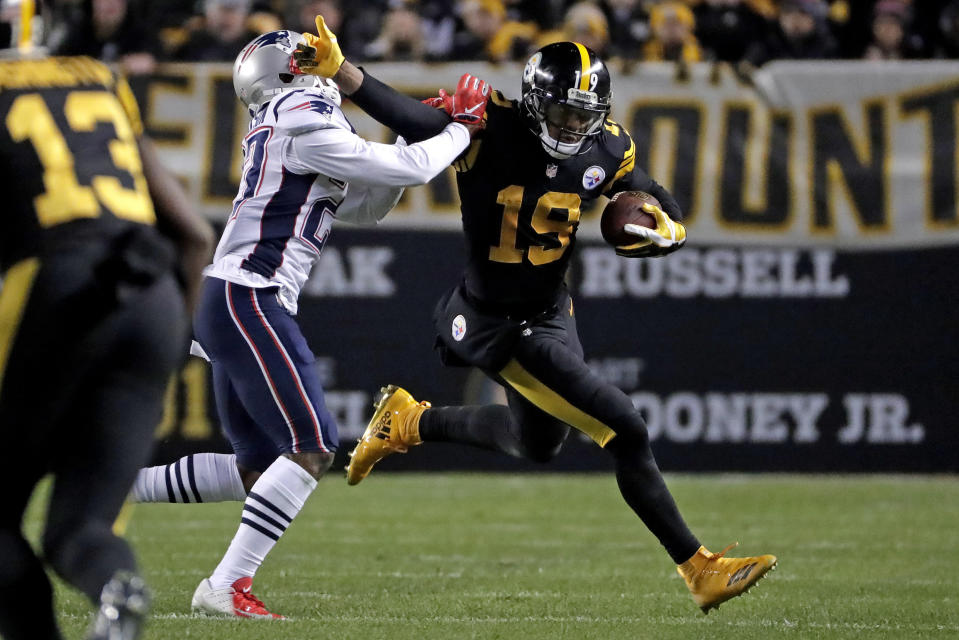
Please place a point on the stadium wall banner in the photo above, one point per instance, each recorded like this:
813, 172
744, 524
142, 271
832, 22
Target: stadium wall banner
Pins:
854, 154
740, 358
811, 324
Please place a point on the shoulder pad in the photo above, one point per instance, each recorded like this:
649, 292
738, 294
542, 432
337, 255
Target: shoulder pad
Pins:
498, 99
618, 143
302, 111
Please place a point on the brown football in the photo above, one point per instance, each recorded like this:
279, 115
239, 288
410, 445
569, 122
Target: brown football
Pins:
626, 207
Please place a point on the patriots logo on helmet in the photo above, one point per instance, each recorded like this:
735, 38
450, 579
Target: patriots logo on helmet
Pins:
280, 38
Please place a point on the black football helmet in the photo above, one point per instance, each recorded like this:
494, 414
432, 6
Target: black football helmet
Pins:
566, 97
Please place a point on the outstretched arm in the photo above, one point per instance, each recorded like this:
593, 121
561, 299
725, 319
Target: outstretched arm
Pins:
321, 55
343, 155
407, 116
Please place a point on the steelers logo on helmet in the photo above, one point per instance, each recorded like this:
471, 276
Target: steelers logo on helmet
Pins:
566, 97
531, 65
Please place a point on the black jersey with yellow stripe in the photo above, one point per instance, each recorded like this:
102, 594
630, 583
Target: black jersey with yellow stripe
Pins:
68, 153
521, 207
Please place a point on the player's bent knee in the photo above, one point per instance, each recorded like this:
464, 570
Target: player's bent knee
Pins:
631, 436
316, 463
248, 477
543, 453
542, 456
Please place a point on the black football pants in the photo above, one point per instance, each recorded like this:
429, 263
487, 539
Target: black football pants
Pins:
83, 378
550, 388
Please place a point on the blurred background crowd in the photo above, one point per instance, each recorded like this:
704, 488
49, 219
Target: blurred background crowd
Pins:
139, 33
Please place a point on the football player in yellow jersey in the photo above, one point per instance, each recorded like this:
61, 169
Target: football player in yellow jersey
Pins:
93, 320
522, 184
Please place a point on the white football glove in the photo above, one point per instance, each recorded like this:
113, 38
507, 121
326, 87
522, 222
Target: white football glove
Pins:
668, 236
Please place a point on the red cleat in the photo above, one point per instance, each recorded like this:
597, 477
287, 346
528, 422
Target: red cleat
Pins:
236, 601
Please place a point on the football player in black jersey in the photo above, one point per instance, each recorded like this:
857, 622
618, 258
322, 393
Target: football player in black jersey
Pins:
92, 324
522, 185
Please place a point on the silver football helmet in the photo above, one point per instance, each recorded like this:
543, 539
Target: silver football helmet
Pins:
265, 68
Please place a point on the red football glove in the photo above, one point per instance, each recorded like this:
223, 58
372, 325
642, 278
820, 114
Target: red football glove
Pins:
469, 101
443, 101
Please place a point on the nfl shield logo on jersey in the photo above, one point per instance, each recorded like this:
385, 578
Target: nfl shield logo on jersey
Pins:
551, 170
459, 328
593, 177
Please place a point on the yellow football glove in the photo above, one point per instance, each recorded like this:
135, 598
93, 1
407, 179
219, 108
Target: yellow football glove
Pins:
320, 55
668, 236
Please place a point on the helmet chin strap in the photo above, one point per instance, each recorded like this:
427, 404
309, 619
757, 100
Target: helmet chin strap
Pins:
329, 90
555, 148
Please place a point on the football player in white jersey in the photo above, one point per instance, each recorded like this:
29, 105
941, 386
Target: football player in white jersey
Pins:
304, 167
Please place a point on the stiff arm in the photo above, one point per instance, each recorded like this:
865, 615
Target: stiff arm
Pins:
406, 116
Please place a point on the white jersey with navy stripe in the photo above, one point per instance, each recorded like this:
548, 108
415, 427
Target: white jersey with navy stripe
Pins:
304, 166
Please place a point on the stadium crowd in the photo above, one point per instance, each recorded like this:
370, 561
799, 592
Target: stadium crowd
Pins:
139, 33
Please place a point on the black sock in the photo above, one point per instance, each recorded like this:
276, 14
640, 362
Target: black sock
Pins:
644, 490
485, 426
535, 435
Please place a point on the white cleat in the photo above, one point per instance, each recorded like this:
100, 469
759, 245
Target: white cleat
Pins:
235, 601
217, 602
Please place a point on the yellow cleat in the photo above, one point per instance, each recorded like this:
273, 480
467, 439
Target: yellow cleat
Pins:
394, 428
713, 579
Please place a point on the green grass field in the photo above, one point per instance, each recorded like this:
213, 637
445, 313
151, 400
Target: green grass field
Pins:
450, 556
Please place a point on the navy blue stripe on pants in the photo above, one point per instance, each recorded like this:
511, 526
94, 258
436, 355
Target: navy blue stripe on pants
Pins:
268, 393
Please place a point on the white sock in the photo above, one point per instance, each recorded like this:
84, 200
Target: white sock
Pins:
275, 499
201, 477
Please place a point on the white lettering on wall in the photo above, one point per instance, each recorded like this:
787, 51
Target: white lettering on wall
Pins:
361, 272
714, 273
879, 418
774, 418
759, 418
